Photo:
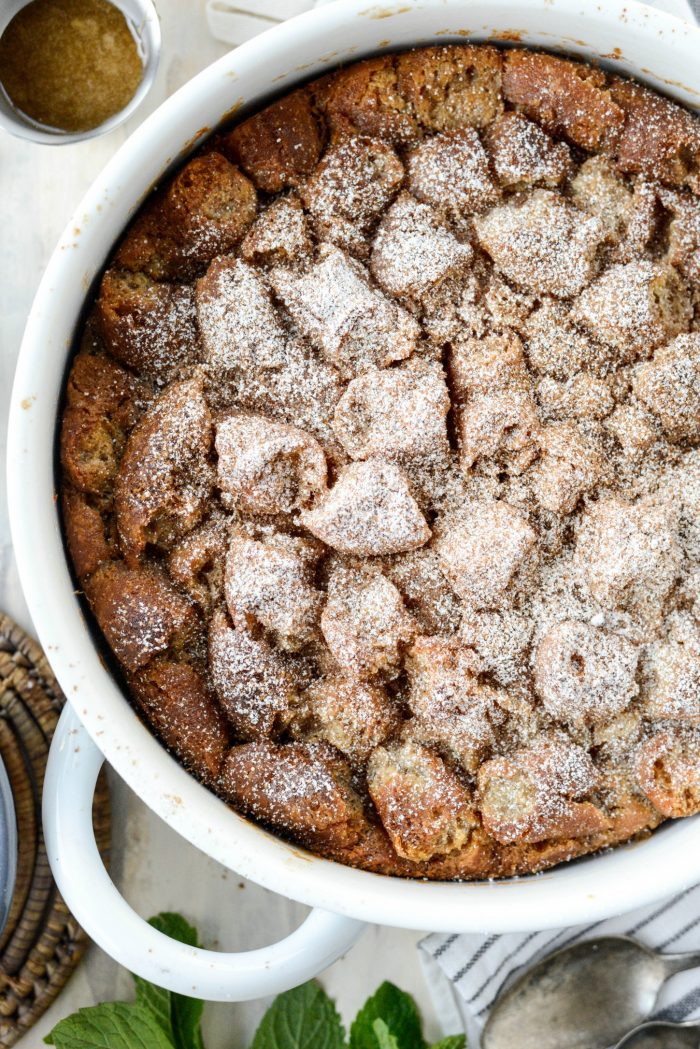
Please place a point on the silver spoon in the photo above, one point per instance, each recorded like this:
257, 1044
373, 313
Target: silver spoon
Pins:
583, 997
661, 1035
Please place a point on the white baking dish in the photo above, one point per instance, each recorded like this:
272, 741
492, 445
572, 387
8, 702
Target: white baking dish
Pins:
633, 38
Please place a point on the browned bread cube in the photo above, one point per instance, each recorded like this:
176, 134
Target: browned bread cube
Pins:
566, 98
451, 171
349, 190
141, 613
523, 155
660, 140
103, 401
508, 307
242, 334
304, 789
669, 386
570, 465
414, 250
176, 701
353, 325
204, 212
147, 326
270, 582
629, 554
684, 233
668, 771
557, 347
425, 808
165, 477
427, 595
353, 716
268, 467
279, 146
254, 683
450, 87
585, 675
365, 100
599, 190
635, 307
455, 310
672, 675
397, 413
453, 711
196, 562
501, 641
365, 624
542, 243
88, 543
635, 428
484, 552
369, 511
530, 795
495, 410
582, 397
279, 235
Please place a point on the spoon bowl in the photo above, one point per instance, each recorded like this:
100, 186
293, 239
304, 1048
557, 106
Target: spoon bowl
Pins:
583, 997
661, 1035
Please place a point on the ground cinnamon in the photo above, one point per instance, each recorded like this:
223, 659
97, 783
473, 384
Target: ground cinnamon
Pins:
69, 64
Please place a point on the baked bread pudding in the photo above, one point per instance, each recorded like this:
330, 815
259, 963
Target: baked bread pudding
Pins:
380, 464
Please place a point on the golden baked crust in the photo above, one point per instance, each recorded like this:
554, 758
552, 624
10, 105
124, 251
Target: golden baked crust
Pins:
279, 146
380, 465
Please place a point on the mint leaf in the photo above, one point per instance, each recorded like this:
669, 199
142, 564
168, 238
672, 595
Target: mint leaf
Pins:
455, 1041
384, 1037
178, 1016
304, 1018
114, 1025
397, 1010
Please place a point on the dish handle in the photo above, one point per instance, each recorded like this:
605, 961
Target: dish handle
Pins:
71, 774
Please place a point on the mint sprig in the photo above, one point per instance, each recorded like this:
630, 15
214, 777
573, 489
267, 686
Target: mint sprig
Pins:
179, 1016
398, 1013
113, 1025
304, 1018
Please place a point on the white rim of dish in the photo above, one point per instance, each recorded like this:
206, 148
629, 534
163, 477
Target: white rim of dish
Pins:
586, 890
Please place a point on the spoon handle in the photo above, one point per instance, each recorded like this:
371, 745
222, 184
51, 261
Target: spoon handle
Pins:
678, 963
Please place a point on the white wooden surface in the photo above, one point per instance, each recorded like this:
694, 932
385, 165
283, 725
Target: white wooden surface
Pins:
156, 870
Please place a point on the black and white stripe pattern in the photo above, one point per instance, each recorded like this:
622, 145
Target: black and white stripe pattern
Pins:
477, 968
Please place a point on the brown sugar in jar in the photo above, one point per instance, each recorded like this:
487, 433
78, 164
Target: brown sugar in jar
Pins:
69, 64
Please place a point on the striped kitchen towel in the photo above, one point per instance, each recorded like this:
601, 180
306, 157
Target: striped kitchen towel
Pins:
466, 973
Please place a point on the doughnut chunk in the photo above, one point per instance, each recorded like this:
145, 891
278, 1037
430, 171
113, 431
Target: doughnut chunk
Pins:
175, 699
203, 213
365, 624
352, 716
165, 476
536, 793
103, 401
565, 98
280, 146
425, 809
149, 327
141, 613
668, 771
301, 787
369, 511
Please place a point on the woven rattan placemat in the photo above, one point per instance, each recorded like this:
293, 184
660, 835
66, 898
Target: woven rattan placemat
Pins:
42, 943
